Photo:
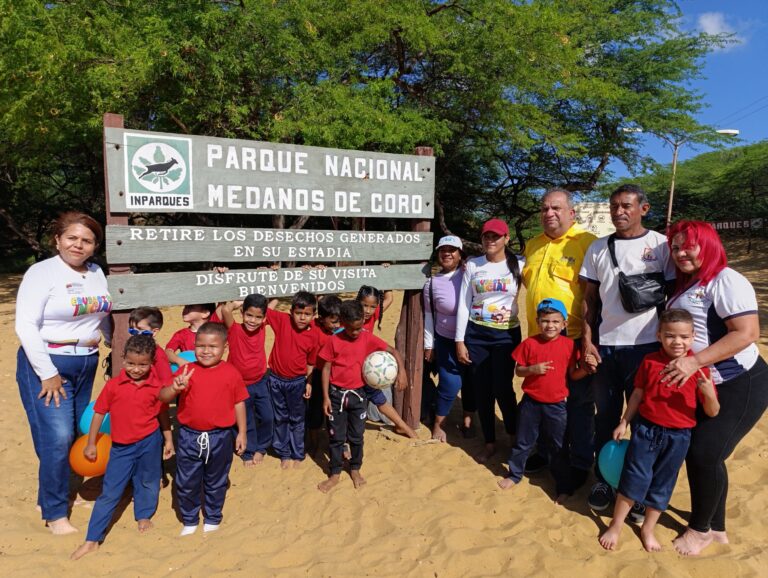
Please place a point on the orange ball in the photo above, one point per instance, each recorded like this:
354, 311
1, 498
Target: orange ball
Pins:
83, 466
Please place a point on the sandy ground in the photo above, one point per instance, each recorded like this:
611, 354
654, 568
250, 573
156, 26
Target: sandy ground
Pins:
426, 511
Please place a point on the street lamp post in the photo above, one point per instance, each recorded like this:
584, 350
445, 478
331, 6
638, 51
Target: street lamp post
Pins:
676, 144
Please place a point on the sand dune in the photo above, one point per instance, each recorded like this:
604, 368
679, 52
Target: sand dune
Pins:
426, 511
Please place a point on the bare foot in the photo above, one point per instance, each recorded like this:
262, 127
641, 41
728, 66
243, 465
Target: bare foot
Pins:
486, 454
145, 525
85, 548
439, 434
346, 452
39, 509
506, 483
691, 543
650, 543
286, 464
248, 463
258, 459
610, 539
328, 484
297, 464
406, 431
357, 478
61, 527
719, 537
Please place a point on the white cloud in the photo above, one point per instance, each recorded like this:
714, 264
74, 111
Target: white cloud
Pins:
715, 23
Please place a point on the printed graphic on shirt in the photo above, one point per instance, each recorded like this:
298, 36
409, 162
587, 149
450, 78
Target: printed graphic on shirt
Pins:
91, 304
648, 255
491, 313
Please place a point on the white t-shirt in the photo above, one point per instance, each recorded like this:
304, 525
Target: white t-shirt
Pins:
647, 253
488, 296
726, 296
60, 311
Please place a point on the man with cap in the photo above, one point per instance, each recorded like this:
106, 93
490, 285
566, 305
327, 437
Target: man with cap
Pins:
545, 360
441, 298
552, 263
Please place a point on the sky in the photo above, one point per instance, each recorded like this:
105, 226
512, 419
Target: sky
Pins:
734, 83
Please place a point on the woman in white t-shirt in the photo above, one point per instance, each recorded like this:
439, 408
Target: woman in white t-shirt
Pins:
724, 309
488, 330
62, 306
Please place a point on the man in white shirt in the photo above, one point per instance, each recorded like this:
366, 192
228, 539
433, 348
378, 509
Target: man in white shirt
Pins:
624, 337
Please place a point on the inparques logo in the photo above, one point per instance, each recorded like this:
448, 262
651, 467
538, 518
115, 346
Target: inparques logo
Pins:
158, 174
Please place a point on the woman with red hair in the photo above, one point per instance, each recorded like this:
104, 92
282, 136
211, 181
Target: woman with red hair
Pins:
724, 309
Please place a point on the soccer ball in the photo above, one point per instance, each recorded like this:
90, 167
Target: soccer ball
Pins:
380, 369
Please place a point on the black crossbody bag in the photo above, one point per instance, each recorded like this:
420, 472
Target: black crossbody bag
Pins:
638, 292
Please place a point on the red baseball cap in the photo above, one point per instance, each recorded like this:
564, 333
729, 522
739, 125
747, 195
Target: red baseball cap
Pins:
495, 226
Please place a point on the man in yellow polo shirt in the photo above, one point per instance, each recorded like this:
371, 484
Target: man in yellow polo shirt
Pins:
552, 263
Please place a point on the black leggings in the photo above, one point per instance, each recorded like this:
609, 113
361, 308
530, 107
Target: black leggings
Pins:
743, 400
491, 373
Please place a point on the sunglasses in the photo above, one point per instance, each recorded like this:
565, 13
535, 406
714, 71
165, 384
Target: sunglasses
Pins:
133, 331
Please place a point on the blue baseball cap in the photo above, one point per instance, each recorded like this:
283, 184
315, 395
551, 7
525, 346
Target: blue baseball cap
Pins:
555, 304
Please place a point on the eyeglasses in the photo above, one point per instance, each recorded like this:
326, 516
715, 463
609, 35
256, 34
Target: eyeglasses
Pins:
132, 331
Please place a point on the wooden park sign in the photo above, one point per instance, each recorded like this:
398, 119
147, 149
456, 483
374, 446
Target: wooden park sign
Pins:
148, 172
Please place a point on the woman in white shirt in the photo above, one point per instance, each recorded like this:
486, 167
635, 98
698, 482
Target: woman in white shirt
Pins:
62, 306
724, 309
488, 330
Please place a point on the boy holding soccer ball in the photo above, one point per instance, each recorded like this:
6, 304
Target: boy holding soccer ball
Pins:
345, 394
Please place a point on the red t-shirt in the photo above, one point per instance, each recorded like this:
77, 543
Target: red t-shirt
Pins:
293, 350
182, 340
322, 338
552, 387
370, 324
133, 407
246, 352
347, 357
665, 405
162, 367
214, 318
209, 400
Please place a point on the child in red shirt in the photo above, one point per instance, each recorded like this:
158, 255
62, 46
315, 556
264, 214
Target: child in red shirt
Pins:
545, 360
326, 324
290, 376
137, 416
661, 433
149, 321
211, 402
344, 390
247, 354
184, 339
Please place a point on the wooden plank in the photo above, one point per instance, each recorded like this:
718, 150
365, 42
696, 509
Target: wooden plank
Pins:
162, 172
119, 320
220, 244
162, 289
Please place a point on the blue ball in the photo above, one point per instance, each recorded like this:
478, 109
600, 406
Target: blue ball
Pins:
611, 461
85, 421
187, 355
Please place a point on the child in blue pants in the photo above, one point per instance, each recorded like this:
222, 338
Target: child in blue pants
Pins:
137, 418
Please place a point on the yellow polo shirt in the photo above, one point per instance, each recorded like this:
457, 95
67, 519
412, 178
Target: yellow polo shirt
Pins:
552, 271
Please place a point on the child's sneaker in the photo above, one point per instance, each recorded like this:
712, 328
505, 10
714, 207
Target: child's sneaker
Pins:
600, 496
637, 513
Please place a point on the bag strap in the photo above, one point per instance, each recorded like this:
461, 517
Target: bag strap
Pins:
432, 301
612, 250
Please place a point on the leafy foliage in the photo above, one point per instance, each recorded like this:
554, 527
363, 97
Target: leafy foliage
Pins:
514, 96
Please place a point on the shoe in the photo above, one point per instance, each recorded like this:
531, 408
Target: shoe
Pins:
535, 464
467, 432
600, 496
637, 513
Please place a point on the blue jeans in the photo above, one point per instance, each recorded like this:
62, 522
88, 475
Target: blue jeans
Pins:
581, 422
535, 416
612, 385
450, 374
260, 419
54, 428
654, 458
139, 463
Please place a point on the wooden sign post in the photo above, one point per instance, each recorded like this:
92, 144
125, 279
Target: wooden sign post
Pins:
149, 172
